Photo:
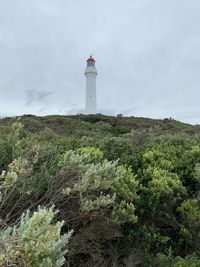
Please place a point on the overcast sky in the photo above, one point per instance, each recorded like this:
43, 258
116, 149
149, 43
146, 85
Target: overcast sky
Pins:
147, 55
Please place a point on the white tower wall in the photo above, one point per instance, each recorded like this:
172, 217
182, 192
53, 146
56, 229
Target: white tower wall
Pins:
91, 73
91, 105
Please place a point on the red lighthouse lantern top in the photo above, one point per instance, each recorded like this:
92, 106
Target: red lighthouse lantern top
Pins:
90, 59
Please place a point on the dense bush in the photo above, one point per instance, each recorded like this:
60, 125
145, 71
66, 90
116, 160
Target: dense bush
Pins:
35, 242
102, 183
128, 187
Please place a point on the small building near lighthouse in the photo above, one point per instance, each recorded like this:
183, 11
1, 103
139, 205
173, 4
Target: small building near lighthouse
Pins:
90, 74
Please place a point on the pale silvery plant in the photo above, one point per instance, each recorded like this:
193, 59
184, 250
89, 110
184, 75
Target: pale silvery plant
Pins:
36, 242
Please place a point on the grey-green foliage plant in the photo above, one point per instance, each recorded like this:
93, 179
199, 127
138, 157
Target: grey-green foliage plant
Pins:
36, 242
102, 183
39, 154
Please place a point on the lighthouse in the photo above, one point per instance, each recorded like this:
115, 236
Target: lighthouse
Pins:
90, 74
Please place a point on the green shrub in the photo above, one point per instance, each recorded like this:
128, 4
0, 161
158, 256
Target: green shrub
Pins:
190, 223
102, 183
36, 242
171, 261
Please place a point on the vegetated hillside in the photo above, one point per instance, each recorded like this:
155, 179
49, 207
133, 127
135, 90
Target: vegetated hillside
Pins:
95, 190
78, 125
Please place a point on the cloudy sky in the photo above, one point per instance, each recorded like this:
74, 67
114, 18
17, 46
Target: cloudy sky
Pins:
147, 55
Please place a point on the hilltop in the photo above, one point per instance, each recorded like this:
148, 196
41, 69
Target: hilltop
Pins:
80, 125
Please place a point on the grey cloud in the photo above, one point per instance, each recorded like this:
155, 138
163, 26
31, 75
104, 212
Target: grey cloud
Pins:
34, 95
147, 55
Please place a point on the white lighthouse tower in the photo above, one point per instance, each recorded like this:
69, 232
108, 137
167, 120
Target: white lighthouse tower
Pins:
90, 73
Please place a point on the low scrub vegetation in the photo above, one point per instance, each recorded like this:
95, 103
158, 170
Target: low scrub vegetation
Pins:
84, 191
